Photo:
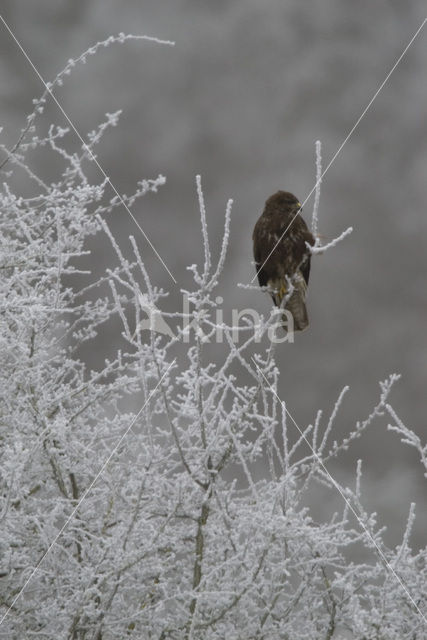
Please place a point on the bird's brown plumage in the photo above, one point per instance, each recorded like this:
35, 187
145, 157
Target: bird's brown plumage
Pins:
281, 224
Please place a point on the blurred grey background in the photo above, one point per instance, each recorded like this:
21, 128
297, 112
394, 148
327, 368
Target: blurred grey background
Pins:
241, 99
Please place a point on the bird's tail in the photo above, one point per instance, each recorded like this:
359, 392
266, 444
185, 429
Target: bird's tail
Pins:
296, 305
296, 302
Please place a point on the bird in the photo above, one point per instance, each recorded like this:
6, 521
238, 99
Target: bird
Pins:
282, 256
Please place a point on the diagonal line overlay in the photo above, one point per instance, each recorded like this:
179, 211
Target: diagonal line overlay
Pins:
86, 493
85, 146
346, 139
348, 503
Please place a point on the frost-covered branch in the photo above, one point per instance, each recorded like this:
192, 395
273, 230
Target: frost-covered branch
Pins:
315, 214
198, 526
318, 248
39, 103
407, 436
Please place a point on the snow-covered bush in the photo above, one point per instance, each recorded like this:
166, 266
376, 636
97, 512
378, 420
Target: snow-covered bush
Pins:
153, 523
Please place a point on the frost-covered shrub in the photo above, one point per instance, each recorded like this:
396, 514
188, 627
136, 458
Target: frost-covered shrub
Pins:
151, 524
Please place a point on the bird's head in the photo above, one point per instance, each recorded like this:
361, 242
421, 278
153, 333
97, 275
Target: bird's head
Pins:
283, 201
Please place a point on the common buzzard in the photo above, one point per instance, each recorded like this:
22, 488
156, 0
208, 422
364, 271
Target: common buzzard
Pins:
289, 259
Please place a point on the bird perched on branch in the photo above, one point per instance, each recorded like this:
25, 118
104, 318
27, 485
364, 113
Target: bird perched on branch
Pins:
282, 257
